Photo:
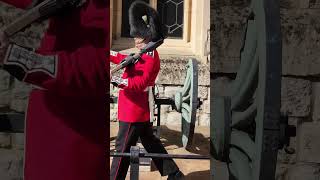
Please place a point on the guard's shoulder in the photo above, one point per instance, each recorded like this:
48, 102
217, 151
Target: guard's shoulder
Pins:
113, 53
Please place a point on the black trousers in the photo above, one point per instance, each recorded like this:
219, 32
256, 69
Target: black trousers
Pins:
128, 136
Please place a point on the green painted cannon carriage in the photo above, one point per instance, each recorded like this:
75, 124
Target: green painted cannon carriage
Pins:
247, 129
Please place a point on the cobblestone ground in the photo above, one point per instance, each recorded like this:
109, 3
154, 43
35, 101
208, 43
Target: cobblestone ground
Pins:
170, 136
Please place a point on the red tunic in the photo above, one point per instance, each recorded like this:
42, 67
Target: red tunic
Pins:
133, 105
67, 121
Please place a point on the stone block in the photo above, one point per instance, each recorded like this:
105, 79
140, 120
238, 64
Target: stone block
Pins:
113, 115
223, 3
296, 97
11, 164
173, 72
304, 3
316, 101
203, 92
18, 141
163, 118
113, 106
314, 3
206, 106
4, 80
308, 142
204, 119
204, 75
294, 4
4, 88
5, 140
282, 172
173, 118
114, 91
160, 89
304, 171
166, 108
5, 98
19, 96
283, 157
301, 39
170, 91
227, 31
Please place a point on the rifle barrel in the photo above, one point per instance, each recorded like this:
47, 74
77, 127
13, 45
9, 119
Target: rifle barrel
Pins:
24, 20
44, 9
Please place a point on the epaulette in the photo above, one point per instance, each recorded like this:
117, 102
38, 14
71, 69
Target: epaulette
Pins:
113, 53
151, 53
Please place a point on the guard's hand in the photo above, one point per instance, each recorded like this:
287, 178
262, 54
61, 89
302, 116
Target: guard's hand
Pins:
140, 45
4, 43
128, 59
135, 61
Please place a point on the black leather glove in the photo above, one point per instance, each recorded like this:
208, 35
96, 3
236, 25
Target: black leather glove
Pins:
127, 58
132, 54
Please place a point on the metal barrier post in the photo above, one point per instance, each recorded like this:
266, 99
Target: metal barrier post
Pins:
134, 162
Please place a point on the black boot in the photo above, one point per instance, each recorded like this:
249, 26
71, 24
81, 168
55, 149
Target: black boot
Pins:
178, 175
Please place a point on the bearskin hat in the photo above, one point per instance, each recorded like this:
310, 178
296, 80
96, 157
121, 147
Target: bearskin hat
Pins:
145, 22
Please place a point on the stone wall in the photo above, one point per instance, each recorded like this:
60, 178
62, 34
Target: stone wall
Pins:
300, 24
14, 94
14, 98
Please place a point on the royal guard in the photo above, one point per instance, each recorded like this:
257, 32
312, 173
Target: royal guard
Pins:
133, 101
67, 117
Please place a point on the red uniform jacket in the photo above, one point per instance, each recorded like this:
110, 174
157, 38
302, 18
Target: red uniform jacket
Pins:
67, 121
133, 105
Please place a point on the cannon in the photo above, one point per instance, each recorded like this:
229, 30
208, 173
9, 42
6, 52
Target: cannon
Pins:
247, 128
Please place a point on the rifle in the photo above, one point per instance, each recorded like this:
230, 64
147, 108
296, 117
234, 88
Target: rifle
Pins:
45, 9
131, 59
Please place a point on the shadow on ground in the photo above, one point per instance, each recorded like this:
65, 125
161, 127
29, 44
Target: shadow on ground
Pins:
198, 175
200, 143
171, 137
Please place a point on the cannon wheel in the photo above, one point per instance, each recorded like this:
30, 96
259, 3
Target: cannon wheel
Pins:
246, 126
186, 102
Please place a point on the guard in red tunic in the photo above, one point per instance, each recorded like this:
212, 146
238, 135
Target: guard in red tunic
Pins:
67, 117
133, 105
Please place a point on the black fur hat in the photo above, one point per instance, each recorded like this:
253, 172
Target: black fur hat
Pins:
145, 22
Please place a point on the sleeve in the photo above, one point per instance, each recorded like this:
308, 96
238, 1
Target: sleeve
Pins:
23, 4
141, 81
116, 57
79, 73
